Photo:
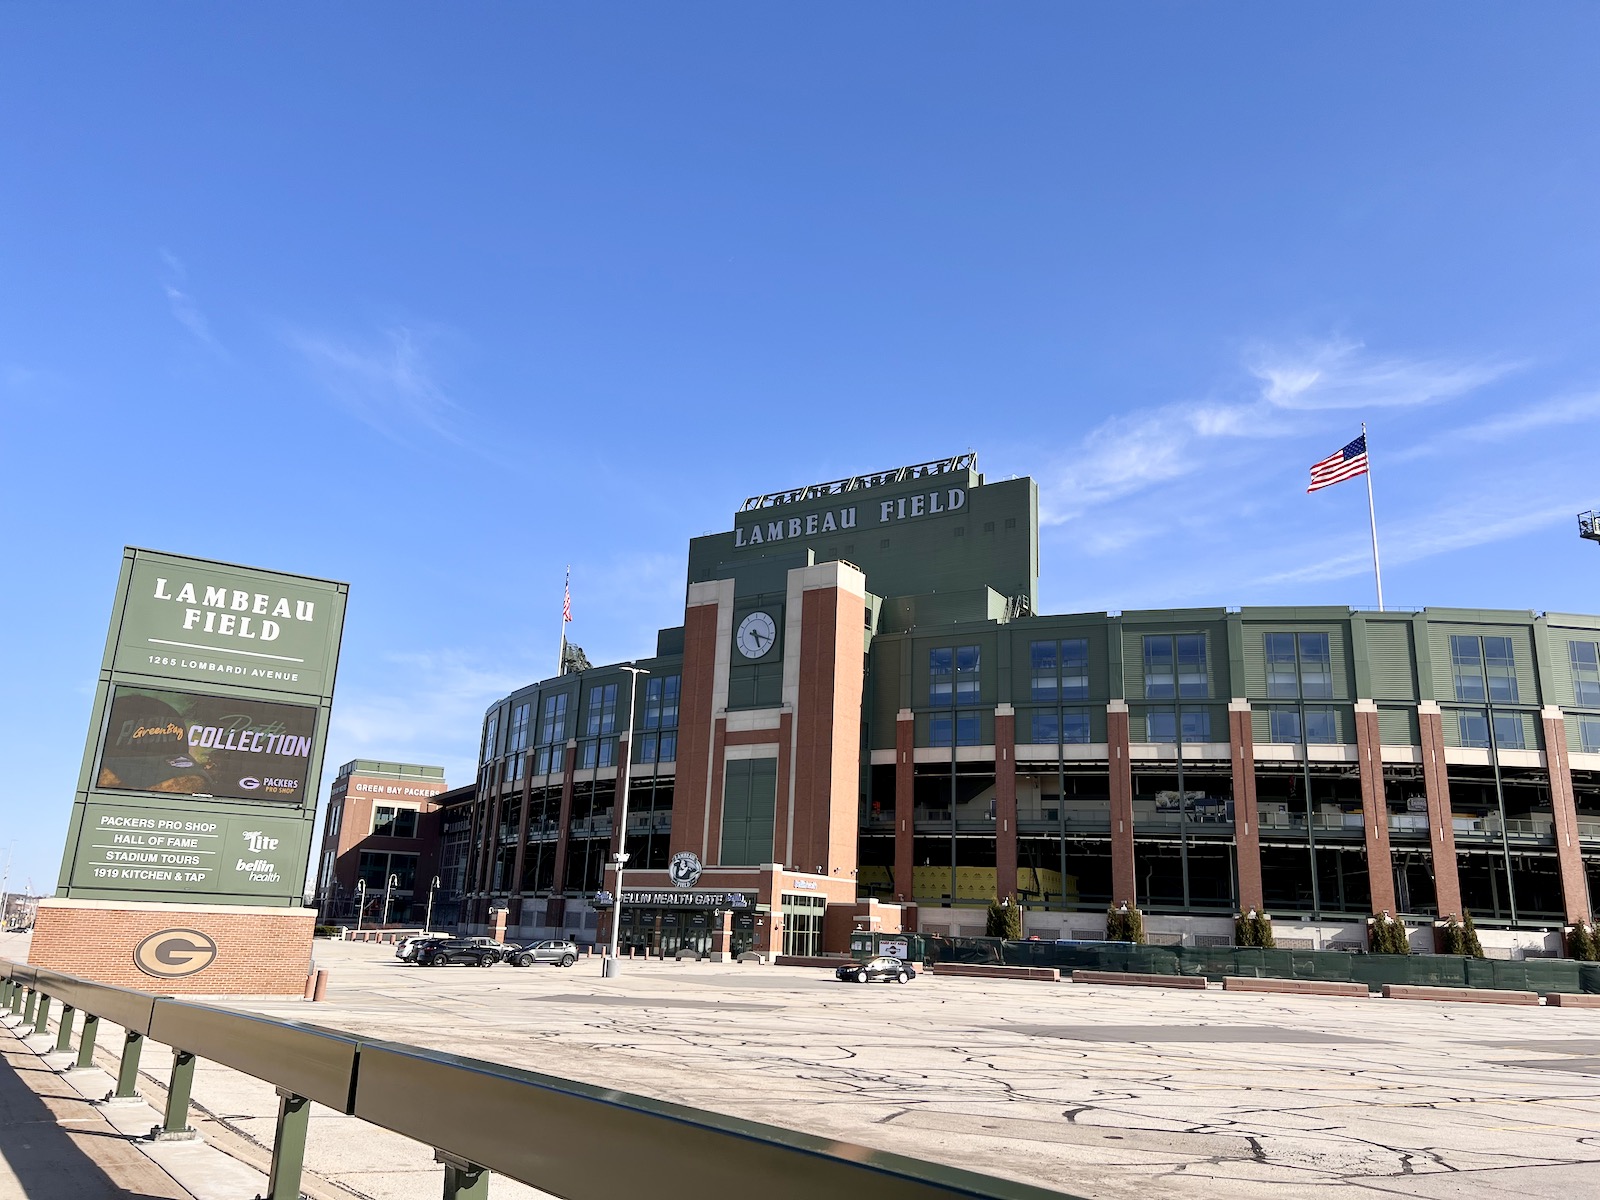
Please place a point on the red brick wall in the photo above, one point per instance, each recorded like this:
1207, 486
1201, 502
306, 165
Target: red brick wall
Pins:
1246, 821
694, 728
905, 729
1005, 804
1122, 877
1574, 887
1374, 810
258, 953
1441, 828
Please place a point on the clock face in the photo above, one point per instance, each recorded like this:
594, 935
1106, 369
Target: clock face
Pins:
757, 633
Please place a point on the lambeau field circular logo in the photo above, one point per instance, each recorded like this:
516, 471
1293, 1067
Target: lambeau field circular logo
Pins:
684, 869
175, 953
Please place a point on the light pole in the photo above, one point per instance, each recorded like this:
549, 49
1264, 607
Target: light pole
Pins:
388, 887
427, 920
361, 902
612, 968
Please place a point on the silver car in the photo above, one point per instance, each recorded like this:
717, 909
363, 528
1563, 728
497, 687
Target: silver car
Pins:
562, 954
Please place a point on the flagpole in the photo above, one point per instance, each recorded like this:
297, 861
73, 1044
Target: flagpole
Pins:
561, 656
1372, 516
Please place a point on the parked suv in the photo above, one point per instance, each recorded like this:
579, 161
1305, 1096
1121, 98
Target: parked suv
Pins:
458, 950
562, 954
408, 947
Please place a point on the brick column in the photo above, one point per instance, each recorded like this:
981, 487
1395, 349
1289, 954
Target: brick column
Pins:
1005, 801
697, 703
1374, 808
1122, 877
1574, 886
905, 727
1246, 823
1441, 831
522, 840
558, 881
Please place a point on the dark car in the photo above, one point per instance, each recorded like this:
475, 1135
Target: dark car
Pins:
877, 969
562, 954
455, 951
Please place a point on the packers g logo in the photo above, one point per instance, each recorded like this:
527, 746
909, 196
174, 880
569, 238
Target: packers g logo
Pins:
175, 953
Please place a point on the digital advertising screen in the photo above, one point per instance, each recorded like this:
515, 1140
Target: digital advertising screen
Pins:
189, 744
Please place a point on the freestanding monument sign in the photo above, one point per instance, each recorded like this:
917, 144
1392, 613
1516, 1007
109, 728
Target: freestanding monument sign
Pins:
186, 856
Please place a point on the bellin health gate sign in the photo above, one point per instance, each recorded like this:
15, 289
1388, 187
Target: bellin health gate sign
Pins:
196, 800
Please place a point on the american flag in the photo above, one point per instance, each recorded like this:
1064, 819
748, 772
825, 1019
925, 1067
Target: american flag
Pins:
1340, 465
566, 602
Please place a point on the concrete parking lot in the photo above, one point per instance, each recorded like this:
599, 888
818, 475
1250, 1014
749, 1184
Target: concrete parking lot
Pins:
1097, 1091
1101, 1091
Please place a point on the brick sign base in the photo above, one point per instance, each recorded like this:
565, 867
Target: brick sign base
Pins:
259, 951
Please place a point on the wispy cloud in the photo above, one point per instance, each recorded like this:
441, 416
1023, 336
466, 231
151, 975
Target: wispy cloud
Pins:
1283, 392
1438, 532
1548, 414
174, 278
1339, 374
386, 382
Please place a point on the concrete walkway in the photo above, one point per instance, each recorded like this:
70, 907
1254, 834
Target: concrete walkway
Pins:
55, 1145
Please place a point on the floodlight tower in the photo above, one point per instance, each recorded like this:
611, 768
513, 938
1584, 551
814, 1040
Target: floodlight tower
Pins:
1589, 525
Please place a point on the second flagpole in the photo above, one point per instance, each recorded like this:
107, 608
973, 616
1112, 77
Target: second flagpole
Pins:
1372, 516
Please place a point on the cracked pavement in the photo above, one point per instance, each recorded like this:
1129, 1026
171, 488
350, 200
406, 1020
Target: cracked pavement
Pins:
1099, 1091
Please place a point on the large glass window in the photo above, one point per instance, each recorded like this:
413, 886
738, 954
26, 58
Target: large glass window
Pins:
1508, 732
394, 822
517, 735
1060, 669
1159, 679
941, 675
1589, 734
953, 675
659, 742
967, 689
1322, 725
1161, 725
1282, 680
1585, 658
490, 728
1501, 670
1059, 726
965, 726
1299, 665
1466, 665
552, 728
1283, 724
1045, 662
1175, 667
602, 710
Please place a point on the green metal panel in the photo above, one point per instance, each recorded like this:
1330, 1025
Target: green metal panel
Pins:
305, 1059
482, 1112
1389, 660
1398, 726
1255, 661
749, 798
1260, 725
1518, 626
122, 1006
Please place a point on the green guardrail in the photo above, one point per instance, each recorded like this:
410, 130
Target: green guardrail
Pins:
571, 1139
1542, 975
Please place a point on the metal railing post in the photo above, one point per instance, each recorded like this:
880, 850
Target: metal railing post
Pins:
5, 991
64, 1038
42, 1023
91, 1026
16, 997
175, 1122
128, 1072
29, 1006
288, 1147
463, 1180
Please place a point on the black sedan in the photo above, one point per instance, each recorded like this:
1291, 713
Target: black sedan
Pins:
877, 969
457, 951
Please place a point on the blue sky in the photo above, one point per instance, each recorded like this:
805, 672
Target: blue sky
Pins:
436, 300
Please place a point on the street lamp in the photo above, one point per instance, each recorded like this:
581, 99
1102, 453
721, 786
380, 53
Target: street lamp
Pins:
389, 885
612, 968
361, 902
427, 920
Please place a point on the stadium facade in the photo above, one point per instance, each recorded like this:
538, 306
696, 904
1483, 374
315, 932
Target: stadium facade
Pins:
865, 722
